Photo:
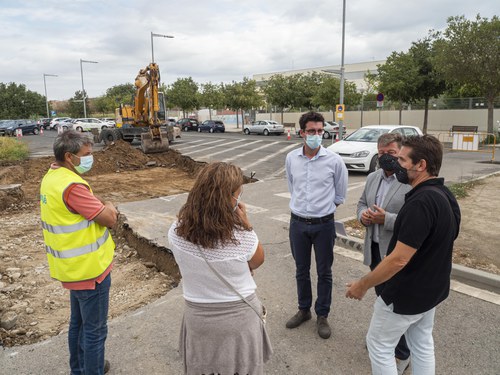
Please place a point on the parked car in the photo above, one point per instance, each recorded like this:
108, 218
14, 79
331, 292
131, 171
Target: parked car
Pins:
55, 121
265, 127
359, 149
86, 124
187, 124
110, 120
212, 126
44, 123
27, 126
4, 124
65, 124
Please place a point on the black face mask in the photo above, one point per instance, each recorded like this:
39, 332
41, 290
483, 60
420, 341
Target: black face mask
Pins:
388, 162
401, 174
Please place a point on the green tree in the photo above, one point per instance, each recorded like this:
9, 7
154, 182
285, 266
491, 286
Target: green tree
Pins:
398, 77
468, 55
120, 94
184, 94
103, 104
18, 102
242, 96
212, 96
327, 94
279, 92
430, 82
75, 106
304, 88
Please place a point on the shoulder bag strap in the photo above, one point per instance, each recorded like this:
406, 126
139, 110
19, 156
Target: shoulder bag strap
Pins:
221, 278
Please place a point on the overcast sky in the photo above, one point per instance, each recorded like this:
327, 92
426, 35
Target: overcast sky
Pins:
214, 40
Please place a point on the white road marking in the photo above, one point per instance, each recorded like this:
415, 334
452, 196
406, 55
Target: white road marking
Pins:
228, 149
270, 156
254, 209
249, 152
285, 218
284, 195
206, 143
223, 145
279, 171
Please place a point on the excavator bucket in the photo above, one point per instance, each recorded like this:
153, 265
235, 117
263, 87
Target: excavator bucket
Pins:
151, 145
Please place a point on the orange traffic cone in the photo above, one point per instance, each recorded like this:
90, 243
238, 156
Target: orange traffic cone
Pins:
288, 135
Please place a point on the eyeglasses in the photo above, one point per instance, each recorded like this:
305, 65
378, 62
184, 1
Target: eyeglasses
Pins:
314, 131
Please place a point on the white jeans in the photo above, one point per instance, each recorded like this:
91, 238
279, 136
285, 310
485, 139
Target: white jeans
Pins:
383, 335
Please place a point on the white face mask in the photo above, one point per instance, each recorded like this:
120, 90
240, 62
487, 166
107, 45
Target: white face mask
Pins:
237, 200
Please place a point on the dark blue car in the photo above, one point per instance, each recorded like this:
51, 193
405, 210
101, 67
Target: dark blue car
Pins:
212, 126
27, 126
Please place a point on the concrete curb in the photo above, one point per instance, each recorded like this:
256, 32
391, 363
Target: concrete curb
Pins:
470, 276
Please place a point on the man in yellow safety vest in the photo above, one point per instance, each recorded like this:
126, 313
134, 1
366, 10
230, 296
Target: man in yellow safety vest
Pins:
79, 248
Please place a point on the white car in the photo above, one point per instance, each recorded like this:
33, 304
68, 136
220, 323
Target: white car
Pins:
359, 150
55, 121
86, 124
265, 127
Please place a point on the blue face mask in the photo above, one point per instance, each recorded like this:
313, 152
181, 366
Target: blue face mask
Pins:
313, 141
85, 163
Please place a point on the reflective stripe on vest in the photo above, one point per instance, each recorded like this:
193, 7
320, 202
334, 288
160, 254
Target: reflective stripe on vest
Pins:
60, 229
79, 250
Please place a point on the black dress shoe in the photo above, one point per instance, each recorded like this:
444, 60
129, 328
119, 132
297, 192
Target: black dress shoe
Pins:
107, 366
298, 319
324, 330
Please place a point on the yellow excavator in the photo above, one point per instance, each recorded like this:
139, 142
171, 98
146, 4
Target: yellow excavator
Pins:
146, 118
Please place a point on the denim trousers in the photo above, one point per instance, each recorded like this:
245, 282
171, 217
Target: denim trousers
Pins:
385, 330
402, 351
303, 237
88, 329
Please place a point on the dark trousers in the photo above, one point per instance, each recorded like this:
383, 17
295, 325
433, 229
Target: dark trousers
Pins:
303, 237
402, 351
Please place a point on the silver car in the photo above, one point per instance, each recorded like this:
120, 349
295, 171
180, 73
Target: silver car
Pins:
265, 127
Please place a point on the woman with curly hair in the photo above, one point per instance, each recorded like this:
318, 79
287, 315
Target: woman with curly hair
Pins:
223, 330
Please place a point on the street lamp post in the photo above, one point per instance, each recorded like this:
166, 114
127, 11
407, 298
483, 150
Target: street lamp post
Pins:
45, 86
83, 87
341, 100
157, 35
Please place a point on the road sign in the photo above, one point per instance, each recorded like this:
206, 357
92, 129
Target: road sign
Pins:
339, 108
339, 115
53, 113
380, 97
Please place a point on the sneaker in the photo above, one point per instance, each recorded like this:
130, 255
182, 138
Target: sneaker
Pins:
298, 319
402, 365
324, 330
107, 366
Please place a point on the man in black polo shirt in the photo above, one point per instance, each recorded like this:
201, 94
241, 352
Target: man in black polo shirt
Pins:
417, 268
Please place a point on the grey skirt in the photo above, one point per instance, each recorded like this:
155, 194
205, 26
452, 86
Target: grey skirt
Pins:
224, 338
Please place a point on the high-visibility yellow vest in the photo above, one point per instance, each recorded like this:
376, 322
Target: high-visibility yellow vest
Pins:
77, 249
